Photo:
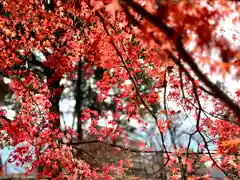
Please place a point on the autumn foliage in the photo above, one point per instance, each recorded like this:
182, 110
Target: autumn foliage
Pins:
152, 52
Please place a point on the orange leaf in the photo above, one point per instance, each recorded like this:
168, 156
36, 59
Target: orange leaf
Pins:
230, 142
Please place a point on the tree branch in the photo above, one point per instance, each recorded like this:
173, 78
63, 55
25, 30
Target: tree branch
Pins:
172, 35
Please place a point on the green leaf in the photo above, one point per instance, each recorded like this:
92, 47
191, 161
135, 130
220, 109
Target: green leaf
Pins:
7, 14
